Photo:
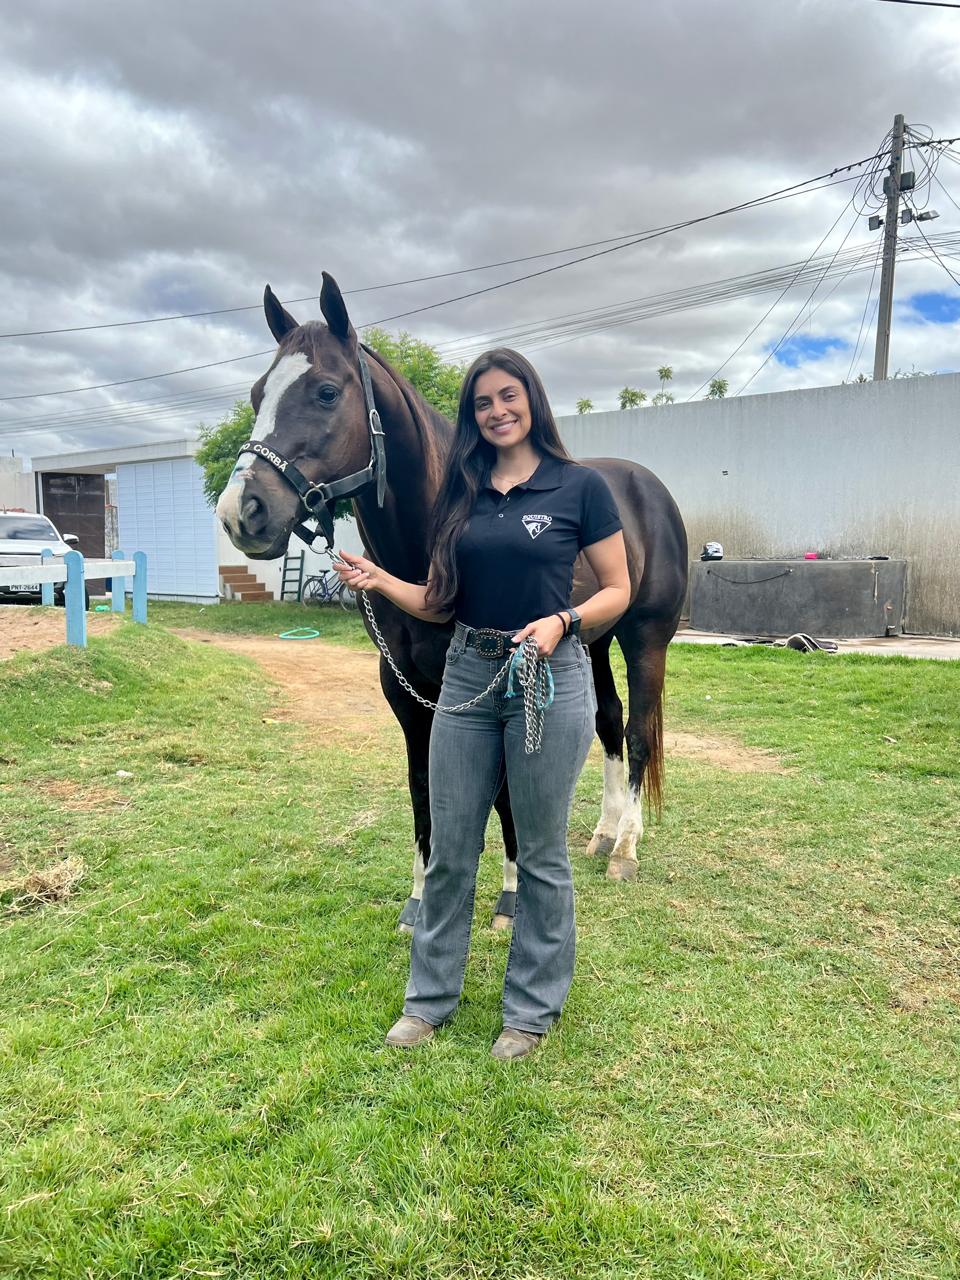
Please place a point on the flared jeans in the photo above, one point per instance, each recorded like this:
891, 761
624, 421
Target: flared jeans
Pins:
470, 753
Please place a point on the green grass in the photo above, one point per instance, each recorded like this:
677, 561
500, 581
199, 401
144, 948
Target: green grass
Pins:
756, 1074
230, 617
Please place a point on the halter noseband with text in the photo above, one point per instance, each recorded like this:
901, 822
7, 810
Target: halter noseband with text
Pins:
315, 497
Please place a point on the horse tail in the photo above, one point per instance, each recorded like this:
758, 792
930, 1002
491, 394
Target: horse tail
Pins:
653, 749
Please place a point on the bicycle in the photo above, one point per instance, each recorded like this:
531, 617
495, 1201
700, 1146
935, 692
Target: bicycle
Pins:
326, 588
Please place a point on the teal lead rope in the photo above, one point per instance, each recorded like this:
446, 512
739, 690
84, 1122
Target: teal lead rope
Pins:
535, 678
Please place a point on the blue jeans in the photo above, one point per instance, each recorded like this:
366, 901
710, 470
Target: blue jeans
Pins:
469, 754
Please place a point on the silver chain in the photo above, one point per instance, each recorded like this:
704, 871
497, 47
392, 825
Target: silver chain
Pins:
532, 671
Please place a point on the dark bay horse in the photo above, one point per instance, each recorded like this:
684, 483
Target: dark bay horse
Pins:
334, 420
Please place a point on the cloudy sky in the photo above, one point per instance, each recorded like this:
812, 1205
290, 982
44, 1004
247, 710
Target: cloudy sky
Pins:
165, 159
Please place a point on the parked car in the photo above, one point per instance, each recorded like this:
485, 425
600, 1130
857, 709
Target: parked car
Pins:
23, 536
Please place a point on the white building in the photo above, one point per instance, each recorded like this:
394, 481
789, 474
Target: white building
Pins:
161, 510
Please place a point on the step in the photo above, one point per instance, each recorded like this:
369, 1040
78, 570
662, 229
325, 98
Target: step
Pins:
234, 571
238, 583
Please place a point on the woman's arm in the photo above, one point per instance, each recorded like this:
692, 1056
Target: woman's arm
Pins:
608, 560
364, 575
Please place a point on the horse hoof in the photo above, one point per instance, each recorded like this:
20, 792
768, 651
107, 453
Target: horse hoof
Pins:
404, 928
621, 869
599, 846
502, 924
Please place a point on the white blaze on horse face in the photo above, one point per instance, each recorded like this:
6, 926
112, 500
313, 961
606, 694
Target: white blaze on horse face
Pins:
287, 371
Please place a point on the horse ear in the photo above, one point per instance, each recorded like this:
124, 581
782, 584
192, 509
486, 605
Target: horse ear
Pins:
279, 319
334, 308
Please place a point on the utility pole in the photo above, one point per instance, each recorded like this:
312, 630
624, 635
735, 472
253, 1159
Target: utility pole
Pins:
885, 311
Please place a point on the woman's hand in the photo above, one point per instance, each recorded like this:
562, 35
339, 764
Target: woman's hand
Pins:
358, 574
548, 632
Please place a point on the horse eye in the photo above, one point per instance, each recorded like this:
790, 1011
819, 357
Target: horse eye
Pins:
328, 394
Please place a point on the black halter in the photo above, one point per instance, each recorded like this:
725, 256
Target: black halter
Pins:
319, 500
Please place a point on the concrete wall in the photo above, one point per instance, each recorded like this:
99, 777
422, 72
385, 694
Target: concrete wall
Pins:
17, 484
848, 471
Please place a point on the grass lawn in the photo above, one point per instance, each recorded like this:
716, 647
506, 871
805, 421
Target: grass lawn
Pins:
232, 617
756, 1074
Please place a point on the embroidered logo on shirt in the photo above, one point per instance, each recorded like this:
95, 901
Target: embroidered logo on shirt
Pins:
535, 525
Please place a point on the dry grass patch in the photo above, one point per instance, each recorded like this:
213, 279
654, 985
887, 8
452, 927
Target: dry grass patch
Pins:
53, 883
79, 798
722, 754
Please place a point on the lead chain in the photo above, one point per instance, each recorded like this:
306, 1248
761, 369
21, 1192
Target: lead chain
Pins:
532, 671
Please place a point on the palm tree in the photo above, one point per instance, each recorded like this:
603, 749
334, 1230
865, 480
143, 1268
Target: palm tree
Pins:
584, 406
631, 398
665, 374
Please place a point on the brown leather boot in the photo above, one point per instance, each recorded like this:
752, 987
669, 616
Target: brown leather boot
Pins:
514, 1043
407, 1033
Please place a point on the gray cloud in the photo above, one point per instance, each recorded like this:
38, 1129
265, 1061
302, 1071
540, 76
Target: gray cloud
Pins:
172, 159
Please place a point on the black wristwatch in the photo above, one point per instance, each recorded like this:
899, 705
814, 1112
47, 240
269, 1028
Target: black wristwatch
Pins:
574, 627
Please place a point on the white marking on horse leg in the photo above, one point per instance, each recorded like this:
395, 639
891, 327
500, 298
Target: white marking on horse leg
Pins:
614, 794
623, 858
282, 376
502, 922
419, 872
409, 914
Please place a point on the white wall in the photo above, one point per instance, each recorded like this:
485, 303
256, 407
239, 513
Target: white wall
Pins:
17, 484
162, 511
848, 471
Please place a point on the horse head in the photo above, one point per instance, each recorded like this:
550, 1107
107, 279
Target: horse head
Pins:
311, 429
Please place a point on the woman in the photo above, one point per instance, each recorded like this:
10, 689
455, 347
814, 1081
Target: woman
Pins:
513, 512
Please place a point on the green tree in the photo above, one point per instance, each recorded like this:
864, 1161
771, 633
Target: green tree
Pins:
663, 397
631, 398
584, 406
665, 374
422, 365
718, 389
218, 449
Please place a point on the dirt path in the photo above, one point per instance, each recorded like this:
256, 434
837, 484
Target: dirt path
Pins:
334, 688
327, 686
24, 626
331, 688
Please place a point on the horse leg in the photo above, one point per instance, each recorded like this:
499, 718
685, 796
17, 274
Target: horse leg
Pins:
505, 909
610, 733
645, 651
415, 722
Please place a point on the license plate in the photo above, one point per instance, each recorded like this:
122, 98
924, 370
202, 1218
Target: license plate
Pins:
27, 588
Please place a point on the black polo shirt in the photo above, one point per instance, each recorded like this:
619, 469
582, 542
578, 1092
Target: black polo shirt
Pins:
516, 553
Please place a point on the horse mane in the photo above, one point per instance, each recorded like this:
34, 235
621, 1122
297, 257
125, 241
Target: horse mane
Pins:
432, 427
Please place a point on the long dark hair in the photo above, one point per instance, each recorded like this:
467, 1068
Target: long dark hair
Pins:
471, 458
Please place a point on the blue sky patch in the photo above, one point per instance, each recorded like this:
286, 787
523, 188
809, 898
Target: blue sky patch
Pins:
802, 348
934, 308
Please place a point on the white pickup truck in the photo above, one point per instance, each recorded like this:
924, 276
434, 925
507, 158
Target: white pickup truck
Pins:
23, 536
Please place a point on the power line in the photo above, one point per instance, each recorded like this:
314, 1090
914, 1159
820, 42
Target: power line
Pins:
373, 288
866, 306
756, 202
934, 252
787, 333
740, 345
929, 4
556, 330
545, 332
